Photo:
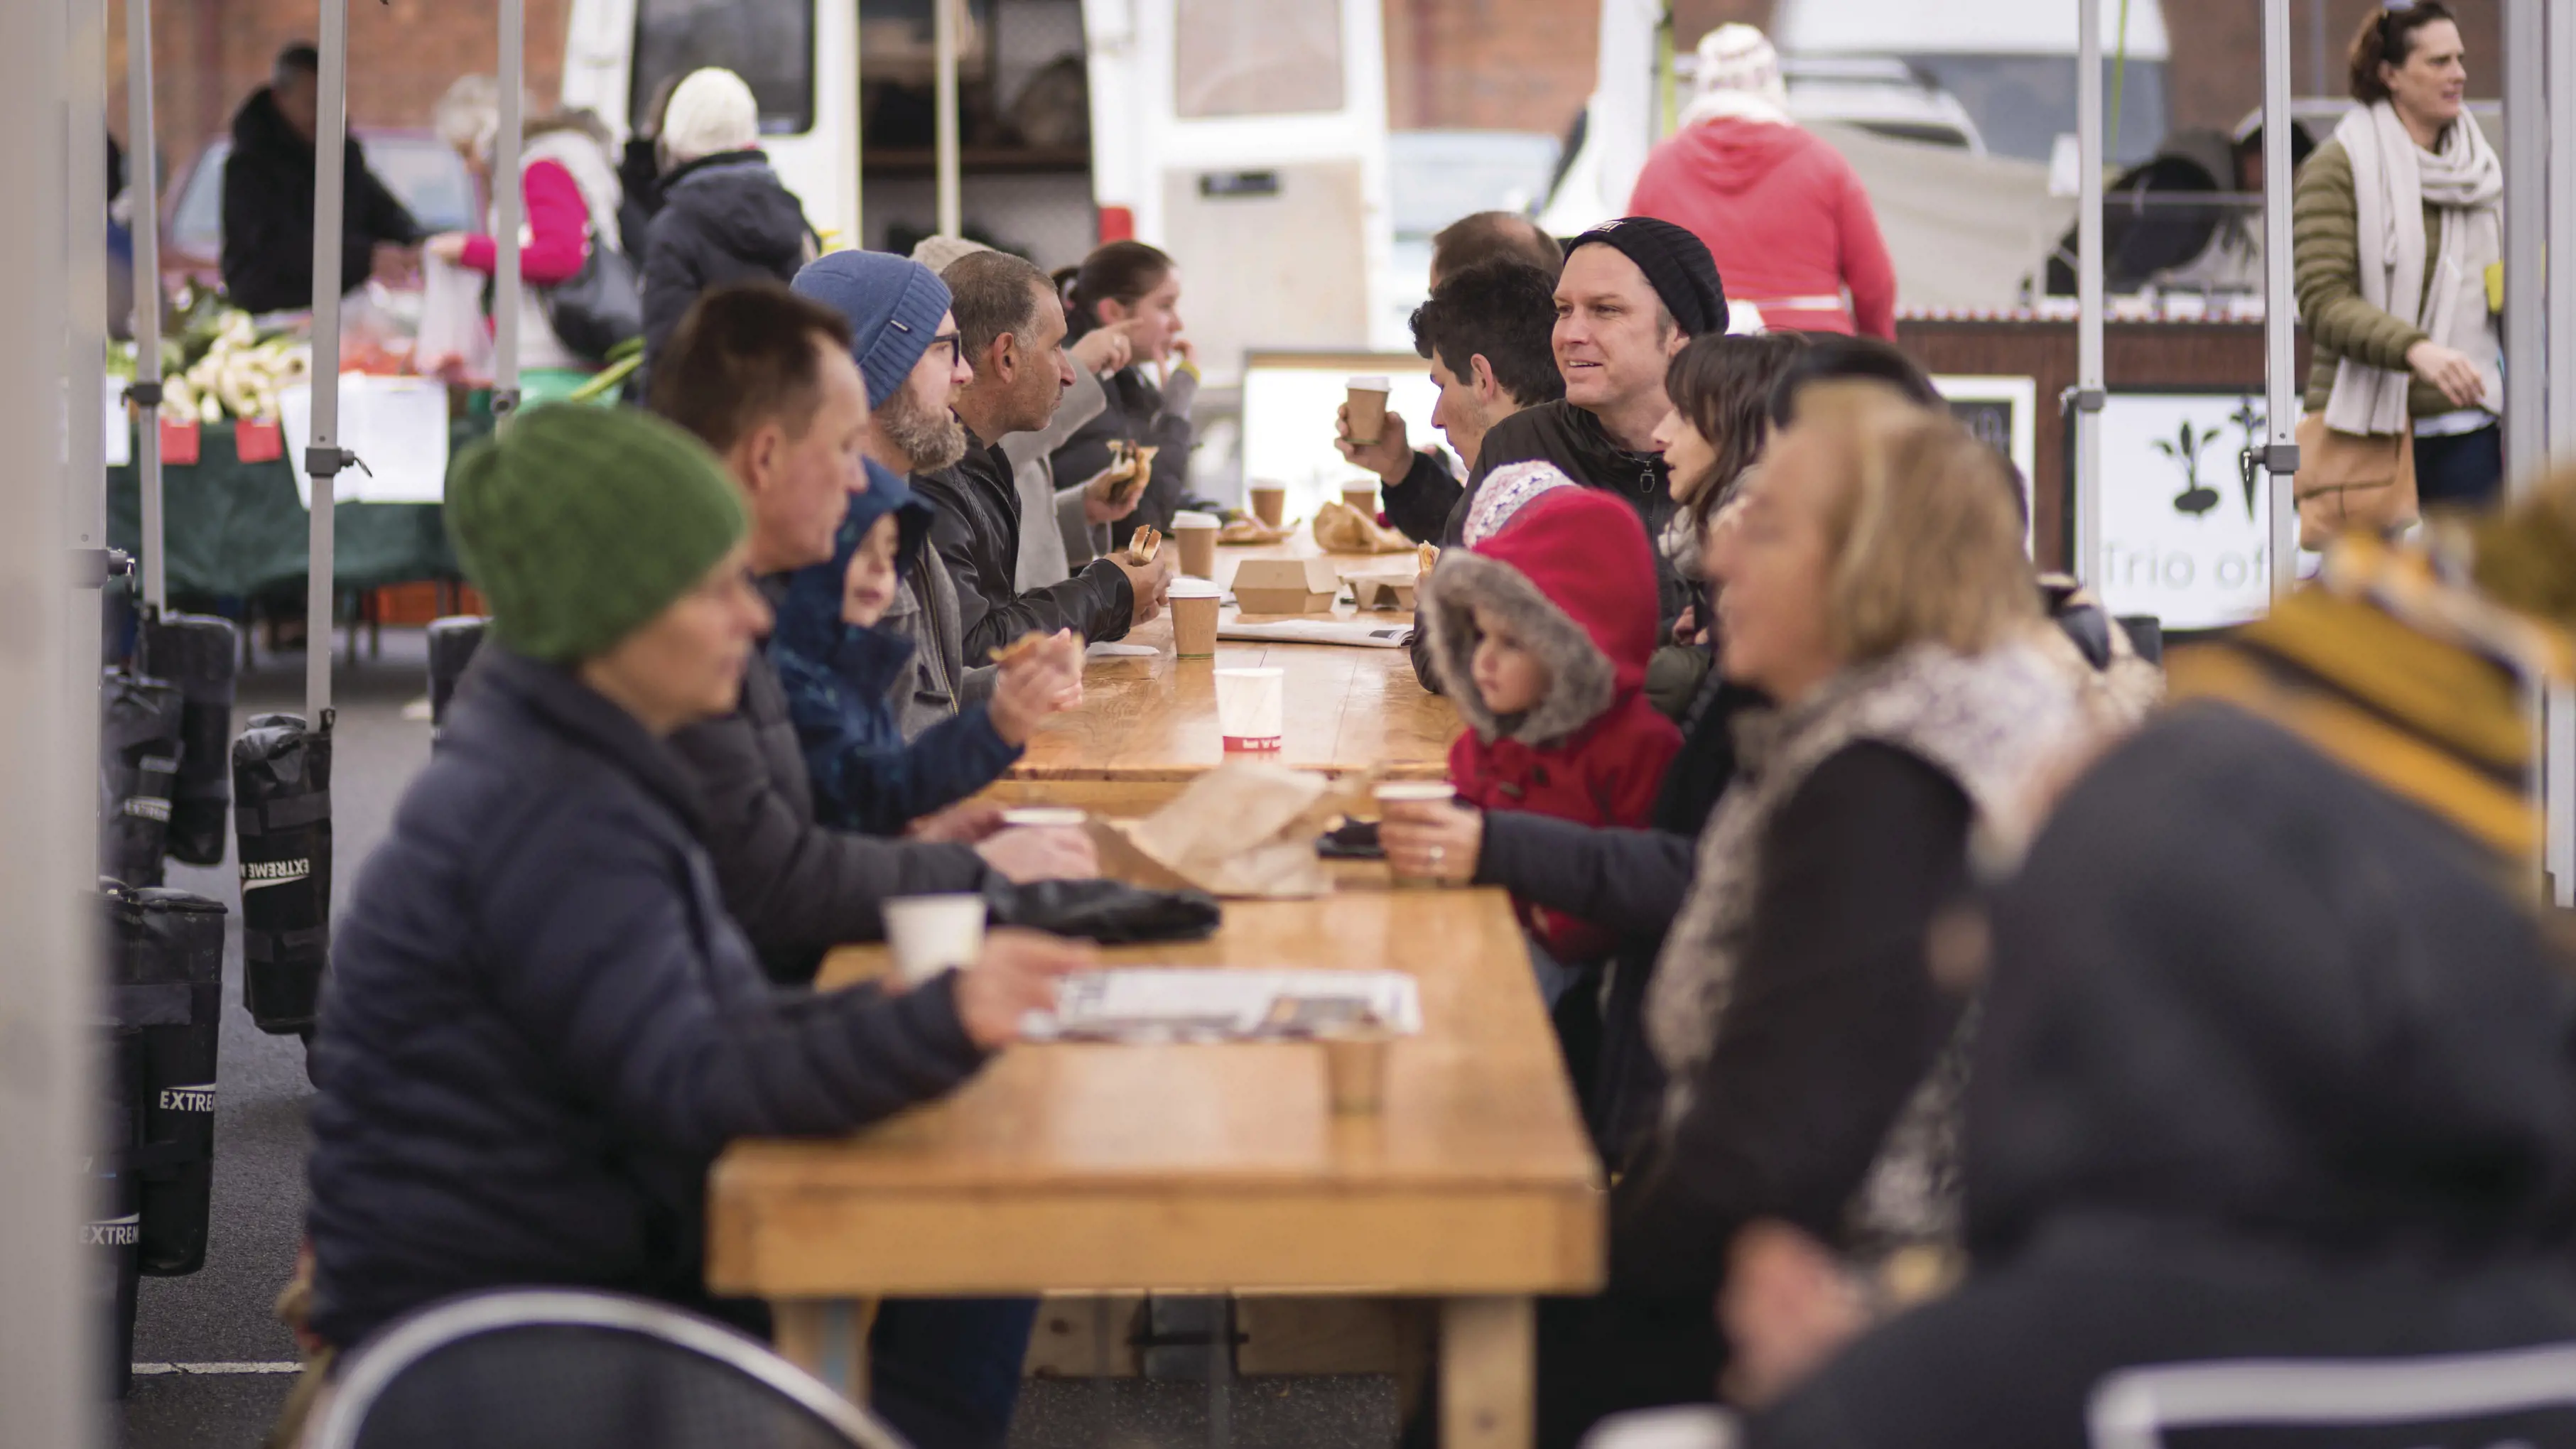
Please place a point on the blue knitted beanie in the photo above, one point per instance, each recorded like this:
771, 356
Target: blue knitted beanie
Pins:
894, 306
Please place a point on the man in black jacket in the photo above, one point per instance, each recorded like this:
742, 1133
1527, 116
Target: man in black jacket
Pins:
1486, 332
1012, 328
1633, 293
767, 379
268, 199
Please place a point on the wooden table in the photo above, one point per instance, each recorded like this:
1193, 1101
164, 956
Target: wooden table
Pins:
1216, 1168
1147, 726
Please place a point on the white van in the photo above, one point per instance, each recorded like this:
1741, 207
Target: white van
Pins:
1249, 140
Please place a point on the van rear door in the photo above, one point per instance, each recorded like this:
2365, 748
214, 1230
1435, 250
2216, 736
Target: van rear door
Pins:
1249, 141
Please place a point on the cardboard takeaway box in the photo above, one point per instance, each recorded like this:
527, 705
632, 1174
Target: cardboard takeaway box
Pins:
1286, 586
1383, 591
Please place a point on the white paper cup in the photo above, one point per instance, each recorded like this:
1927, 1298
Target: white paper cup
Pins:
1250, 705
1045, 817
930, 934
1412, 792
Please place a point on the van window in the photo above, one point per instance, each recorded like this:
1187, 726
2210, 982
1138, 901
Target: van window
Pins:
2022, 103
769, 43
1234, 59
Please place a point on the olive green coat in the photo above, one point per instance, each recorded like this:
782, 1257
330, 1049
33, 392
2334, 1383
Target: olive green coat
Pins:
2325, 243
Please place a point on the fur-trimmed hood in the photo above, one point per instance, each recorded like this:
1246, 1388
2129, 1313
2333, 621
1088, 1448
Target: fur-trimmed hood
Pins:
1574, 573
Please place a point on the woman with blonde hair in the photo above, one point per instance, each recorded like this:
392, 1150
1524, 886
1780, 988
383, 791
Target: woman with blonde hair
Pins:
1872, 584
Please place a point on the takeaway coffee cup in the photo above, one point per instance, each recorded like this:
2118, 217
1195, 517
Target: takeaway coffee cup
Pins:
1193, 604
1197, 534
1393, 798
1368, 409
1249, 707
1355, 1067
1270, 504
930, 934
1363, 497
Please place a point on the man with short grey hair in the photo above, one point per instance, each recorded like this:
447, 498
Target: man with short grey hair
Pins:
1011, 326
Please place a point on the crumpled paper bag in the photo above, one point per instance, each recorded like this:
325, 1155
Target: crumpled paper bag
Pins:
1340, 528
1241, 830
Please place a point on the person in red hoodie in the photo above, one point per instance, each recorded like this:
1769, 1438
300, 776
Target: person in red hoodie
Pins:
1788, 223
1541, 628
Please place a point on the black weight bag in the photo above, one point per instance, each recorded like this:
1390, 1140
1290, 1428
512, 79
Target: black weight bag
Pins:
282, 811
140, 720
452, 642
166, 975
115, 1229
200, 655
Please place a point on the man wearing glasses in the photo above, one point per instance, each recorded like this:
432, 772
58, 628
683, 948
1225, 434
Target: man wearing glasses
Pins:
1009, 326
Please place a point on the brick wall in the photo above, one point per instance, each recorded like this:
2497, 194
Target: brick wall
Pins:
2217, 71
207, 55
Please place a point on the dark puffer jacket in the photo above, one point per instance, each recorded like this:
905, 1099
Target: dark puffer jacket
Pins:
541, 1026
268, 213
798, 888
977, 533
720, 219
2274, 1065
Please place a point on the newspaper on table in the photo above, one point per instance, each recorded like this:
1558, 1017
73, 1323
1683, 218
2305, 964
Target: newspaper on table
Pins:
1320, 631
1193, 1004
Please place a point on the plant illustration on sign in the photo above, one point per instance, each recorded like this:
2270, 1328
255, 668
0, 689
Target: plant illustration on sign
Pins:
2185, 449
2251, 420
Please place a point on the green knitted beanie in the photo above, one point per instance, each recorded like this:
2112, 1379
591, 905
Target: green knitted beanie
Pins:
579, 524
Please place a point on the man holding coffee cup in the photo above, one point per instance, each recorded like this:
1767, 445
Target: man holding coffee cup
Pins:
1634, 292
1485, 331
1011, 330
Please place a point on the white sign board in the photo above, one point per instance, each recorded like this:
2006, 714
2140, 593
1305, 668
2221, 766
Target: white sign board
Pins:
2184, 537
396, 425
2003, 413
1289, 401
119, 436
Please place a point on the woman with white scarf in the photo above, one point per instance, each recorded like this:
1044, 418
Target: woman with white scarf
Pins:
2398, 226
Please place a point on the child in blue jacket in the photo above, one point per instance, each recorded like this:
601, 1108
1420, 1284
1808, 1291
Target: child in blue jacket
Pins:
842, 676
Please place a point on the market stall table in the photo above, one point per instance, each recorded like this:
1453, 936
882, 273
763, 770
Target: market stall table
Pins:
1148, 725
1216, 1168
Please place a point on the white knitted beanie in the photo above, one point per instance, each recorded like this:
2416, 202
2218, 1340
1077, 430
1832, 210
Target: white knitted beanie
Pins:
712, 112
1739, 58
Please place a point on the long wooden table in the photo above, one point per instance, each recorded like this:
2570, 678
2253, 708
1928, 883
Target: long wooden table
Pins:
1147, 726
1216, 1168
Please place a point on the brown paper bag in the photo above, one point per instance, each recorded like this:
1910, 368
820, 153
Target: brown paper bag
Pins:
2348, 482
1240, 830
1340, 528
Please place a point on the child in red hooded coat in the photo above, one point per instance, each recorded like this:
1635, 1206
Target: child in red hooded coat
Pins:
1541, 628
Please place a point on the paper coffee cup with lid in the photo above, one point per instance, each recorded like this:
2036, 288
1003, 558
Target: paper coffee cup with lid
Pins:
1193, 603
1367, 398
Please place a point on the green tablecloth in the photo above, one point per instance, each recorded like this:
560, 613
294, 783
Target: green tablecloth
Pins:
238, 530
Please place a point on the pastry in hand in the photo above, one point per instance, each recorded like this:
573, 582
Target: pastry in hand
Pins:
1143, 546
1004, 654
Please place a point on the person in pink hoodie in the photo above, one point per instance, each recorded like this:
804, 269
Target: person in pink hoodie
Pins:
1786, 220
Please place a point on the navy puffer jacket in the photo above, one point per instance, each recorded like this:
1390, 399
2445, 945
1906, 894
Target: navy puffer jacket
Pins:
541, 1027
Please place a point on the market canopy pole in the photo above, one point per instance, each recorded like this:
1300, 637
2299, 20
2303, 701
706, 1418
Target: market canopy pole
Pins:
143, 184
324, 457
2282, 393
506, 199
2540, 103
2088, 294
943, 29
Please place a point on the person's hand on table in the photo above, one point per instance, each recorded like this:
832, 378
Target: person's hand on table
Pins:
2448, 370
1041, 852
1104, 350
1036, 684
447, 246
1149, 582
1787, 1307
1112, 494
1390, 457
964, 823
1432, 839
1015, 976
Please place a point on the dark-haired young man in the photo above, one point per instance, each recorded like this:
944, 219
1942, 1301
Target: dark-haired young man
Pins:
1485, 331
768, 380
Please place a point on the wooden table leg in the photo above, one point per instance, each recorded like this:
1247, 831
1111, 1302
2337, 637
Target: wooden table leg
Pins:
1488, 1381
828, 1338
